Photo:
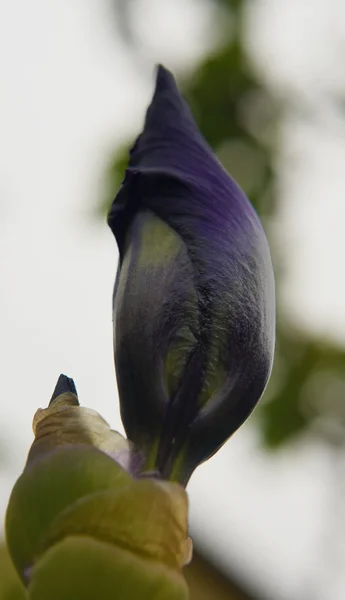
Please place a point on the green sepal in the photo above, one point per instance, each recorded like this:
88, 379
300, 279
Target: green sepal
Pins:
47, 487
81, 568
147, 517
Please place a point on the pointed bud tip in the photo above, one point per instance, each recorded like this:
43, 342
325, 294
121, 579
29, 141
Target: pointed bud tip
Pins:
164, 79
64, 385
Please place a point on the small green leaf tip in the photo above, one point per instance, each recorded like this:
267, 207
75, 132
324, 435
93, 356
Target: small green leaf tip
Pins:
64, 385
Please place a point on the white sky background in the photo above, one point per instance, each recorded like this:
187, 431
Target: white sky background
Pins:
69, 93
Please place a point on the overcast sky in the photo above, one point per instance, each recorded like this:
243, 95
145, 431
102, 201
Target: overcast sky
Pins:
69, 94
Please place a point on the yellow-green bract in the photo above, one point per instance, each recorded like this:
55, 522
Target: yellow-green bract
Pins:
78, 526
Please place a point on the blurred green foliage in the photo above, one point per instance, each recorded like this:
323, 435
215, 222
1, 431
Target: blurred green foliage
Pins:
241, 119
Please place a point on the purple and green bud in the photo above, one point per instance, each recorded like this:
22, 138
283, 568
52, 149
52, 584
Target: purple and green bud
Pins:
194, 302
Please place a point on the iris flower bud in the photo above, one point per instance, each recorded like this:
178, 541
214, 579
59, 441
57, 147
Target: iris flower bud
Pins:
78, 525
194, 304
